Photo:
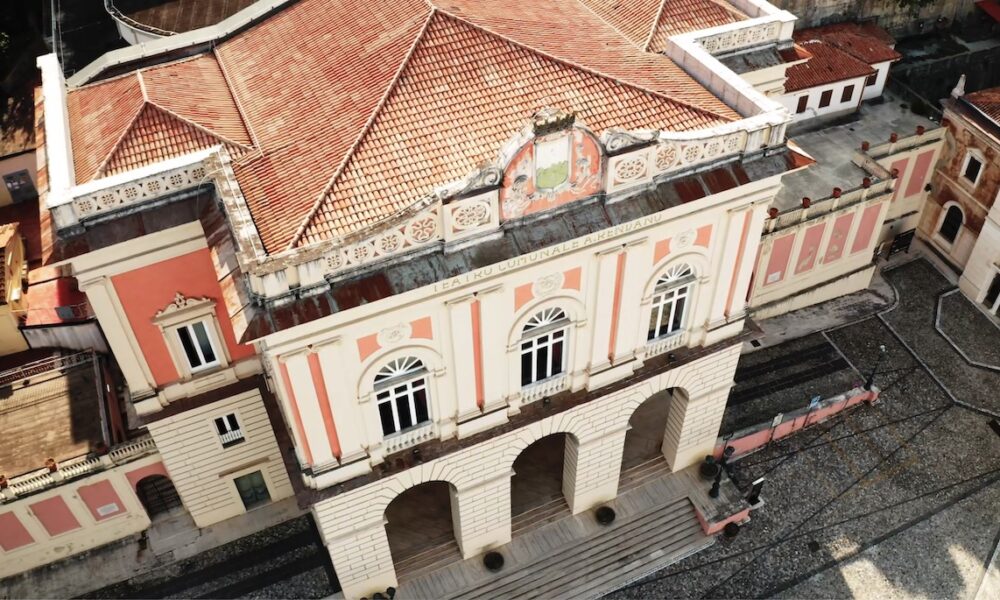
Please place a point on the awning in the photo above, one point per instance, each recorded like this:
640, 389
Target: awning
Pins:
992, 8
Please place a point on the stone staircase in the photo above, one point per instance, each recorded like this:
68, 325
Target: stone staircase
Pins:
436, 555
643, 472
618, 555
553, 510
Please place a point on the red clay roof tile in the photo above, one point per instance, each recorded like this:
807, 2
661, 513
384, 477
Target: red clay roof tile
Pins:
827, 65
987, 101
868, 42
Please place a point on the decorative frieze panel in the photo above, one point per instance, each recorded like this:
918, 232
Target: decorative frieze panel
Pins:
671, 153
470, 216
744, 37
139, 190
421, 229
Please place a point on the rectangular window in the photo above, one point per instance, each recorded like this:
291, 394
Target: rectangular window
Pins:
252, 489
667, 314
824, 98
20, 186
542, 356
872, 79
847, 94
803, 104
972, 168
197, 345
229, 430
403, 405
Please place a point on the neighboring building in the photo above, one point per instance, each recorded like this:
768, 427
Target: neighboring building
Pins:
143, 21
831, 219
848, 63
17, 167
961, 222
70, 477
478, 287
12, 300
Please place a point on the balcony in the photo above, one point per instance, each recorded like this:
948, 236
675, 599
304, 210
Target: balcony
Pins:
231, 438
409, 437
546, 387
660, 345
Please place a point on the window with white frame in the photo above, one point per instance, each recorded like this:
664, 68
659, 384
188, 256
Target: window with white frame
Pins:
972, 167
401, 394
228, 428
543, 346
20, 186
199, 349
671, 299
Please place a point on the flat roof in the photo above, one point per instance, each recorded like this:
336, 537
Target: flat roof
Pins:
50, 407
178, 16
833, 143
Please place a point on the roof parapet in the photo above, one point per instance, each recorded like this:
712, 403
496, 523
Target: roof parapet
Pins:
58, 148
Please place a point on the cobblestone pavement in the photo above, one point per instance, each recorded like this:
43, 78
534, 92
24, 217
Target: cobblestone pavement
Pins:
285, 561
895, 500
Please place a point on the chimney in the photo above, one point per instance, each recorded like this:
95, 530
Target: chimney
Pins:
959, 90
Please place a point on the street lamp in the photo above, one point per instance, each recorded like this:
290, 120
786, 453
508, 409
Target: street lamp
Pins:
871, 376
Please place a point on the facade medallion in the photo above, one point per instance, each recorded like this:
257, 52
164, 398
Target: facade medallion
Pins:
390, 336
548, 285
685, 239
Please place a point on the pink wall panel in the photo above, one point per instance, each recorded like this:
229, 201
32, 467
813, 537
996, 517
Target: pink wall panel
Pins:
864, 236
838, 238
919, 175
780, 253
900, 167
134, 477
810, 248
54, 515
101, 500
13, 535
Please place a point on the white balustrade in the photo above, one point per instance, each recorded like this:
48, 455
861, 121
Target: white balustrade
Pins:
546, 387
231, 437
409, 437
664, 344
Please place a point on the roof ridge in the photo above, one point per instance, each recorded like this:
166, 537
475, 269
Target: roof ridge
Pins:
301, 230
607, 22
590, 70
236, 99
200, 128
655, 26
128, 128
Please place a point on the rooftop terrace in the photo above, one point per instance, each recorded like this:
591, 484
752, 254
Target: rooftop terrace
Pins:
176, 16
834, 144
51, 407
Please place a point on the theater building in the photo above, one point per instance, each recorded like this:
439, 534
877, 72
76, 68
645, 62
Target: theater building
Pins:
485, 277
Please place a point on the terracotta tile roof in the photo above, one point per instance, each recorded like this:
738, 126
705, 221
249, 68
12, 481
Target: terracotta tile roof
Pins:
987, 101
356, 109
648, 23
868, 42
827, 65
152, 115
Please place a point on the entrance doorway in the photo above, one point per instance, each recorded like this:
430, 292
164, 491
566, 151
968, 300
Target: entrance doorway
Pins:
420, 528
158, 495
642, 456
536, 488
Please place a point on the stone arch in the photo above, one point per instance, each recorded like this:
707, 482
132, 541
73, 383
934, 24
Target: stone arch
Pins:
425, 351
157, 494
648, 416
422, 517
952, 218
543, 477
569, 303
696, 258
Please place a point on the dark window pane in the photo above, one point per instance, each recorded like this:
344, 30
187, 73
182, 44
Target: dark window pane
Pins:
557, 354
188, 344
972, 169
542, 363
654, 320
220, 426
848, 92
525, 368
420, 402
678, 314
206, 346
952, 224
803, 103
824, 98
405, 416
385, 415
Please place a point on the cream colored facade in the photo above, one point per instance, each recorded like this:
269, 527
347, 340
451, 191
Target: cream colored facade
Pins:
203, 470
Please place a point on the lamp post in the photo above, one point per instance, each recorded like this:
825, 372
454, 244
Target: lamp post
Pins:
871, 376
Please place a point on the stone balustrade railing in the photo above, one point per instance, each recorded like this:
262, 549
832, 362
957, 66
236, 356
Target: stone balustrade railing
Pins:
409, 438
828, 205
909, 142
665, 344
43, 478
547, 387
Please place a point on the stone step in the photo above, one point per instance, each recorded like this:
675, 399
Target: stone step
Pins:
670, 530
643, 472
539, 515
428, 560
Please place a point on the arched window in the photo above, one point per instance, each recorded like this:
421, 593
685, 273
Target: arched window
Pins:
401, 392
952, 224
543, 346
671, 298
